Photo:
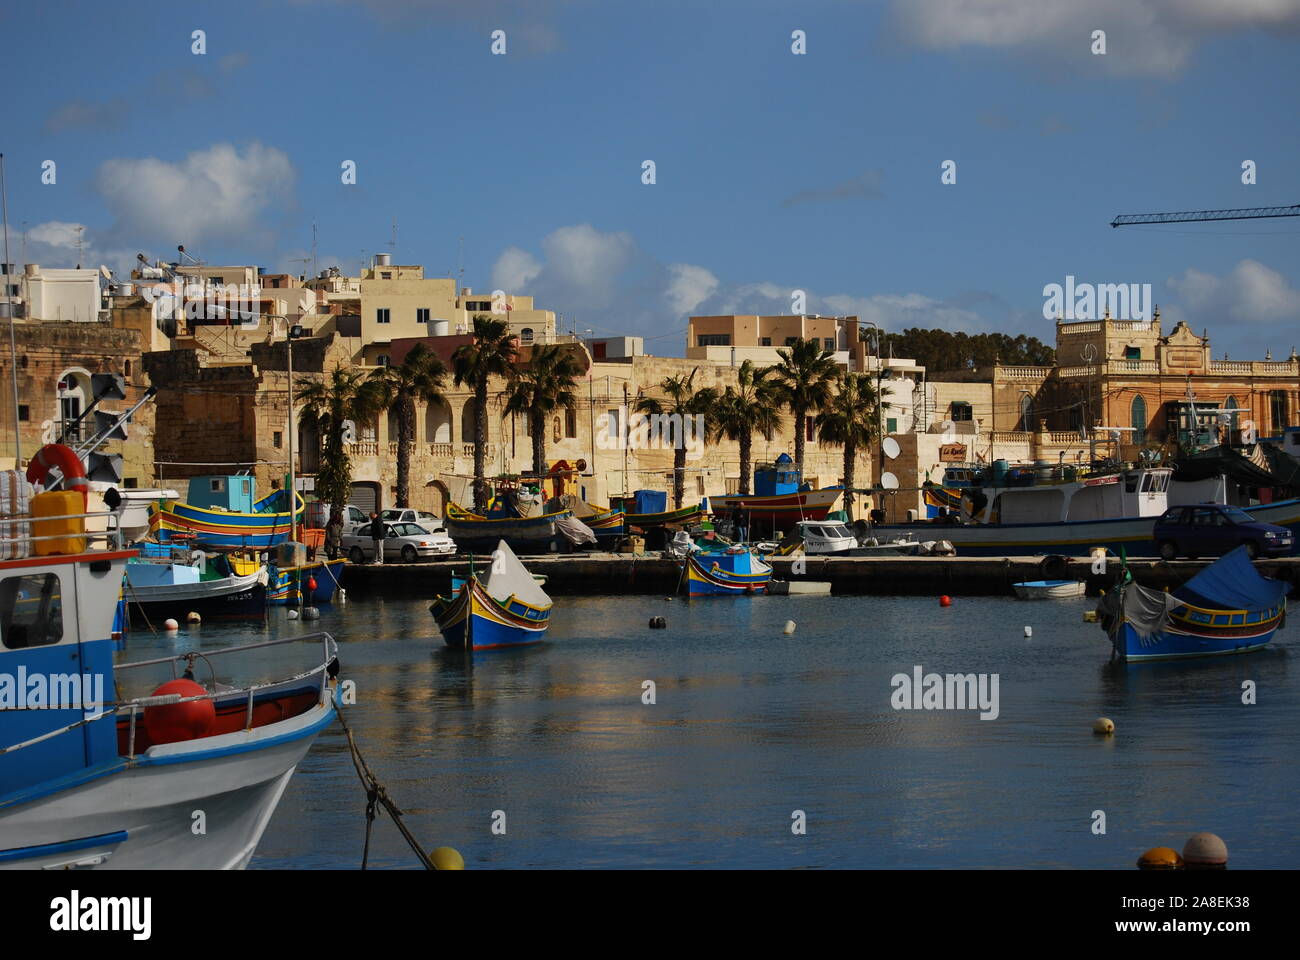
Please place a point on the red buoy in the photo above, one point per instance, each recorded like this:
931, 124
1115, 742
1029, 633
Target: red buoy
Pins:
945, 601
311, 583
175, 722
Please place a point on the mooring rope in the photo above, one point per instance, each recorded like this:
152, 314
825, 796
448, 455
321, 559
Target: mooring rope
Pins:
375, 793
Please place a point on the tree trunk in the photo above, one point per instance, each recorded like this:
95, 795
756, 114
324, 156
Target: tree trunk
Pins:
679, 475
539, 442
850, 456
481, 494
800, 424
405, 431
746, 450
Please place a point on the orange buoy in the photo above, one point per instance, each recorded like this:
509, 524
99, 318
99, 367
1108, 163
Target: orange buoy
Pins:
175, 722
945, 601
1160, 858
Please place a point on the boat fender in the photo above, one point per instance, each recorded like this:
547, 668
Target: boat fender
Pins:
176, 722
311, 583
292, 615
310, 613
658, 623
69, 464
789, 628
193, 617
170, 625
1029, 631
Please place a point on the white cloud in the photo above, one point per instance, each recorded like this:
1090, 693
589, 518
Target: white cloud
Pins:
215, 194
515, 269
1152, 37
1252, 294
688, 287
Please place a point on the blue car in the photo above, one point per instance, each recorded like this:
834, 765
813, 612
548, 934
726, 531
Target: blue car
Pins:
1213, 529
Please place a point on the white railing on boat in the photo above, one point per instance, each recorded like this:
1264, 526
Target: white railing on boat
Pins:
133, 706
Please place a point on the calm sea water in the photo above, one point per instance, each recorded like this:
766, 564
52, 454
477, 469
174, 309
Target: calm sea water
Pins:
751, 725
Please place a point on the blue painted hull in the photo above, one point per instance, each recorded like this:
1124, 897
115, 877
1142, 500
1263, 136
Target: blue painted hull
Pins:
473, 620
726, 574
1175, 645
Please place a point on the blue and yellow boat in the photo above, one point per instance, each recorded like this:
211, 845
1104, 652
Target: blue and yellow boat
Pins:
504, 607
1227, 608
223, 511
311, 584
736, 571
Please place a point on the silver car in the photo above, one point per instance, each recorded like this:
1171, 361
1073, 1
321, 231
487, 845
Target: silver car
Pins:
407, 542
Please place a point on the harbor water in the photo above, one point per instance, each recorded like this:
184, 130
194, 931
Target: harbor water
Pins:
556, 745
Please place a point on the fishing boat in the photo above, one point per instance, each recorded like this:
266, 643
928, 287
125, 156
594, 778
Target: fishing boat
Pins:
158, 587
1049, 589
1046, 509
503, 606
1227, 608
309, 584
94, 776
735, 571
223, 511
778, 501
649, 508
474, 531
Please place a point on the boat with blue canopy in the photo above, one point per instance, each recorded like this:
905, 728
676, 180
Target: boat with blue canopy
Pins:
1227, 608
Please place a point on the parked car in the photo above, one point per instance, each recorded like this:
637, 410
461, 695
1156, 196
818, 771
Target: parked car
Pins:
408, 542
430, 521
1213, 529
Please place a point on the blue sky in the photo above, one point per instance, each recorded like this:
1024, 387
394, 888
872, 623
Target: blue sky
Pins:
774, 171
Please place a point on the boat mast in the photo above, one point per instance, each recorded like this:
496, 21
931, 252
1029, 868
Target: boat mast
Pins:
9, 305
293, 492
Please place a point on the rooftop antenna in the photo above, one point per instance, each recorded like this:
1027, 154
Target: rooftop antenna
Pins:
460, 261
80, 233
315, 267
392, 244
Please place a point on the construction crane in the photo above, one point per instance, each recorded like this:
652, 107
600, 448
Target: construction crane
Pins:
1191, 216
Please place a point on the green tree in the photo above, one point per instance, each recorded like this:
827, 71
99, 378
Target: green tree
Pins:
680, 400
492, 352
419, 377
548, 383
342, 396
747, 407
803, 380
849, 419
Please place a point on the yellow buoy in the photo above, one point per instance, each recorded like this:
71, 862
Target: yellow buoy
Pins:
1103, 726
1160, 858
446, 858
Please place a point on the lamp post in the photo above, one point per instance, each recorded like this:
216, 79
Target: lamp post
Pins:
880, 422
292, 332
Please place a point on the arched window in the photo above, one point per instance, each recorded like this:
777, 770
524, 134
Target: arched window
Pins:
1231, 404
1277, 411
570, 422
1026, 412
526, 334
1139, 419
394, 424
437, 423
73, 393
467, 421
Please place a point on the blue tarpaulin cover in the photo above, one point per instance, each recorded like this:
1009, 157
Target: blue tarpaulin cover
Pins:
651, 501
1232, 583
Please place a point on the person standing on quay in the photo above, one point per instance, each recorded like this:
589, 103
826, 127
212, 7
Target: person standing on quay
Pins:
377, 537
334, 535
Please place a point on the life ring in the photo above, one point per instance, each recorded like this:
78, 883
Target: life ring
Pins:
69, 464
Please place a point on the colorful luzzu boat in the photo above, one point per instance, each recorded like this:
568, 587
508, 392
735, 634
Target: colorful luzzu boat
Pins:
737, 571
222, 511
504, 607
311, 584
94, 778
1227, 608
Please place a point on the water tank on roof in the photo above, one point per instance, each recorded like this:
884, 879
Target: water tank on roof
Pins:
441, 328
383, 259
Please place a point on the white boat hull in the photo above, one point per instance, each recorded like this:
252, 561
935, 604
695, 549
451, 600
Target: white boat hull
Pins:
1050, 590
193, 805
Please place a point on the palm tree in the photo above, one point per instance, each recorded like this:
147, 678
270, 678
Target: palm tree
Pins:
548, 383
419, 377
803, 381
680, 400
743, 409
492, 352
341, 396
850, 419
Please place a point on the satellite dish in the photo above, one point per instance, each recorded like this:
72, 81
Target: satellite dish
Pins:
104, 272
889, 481
890, 447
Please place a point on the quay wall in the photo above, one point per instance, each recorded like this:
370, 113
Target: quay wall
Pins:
612, 575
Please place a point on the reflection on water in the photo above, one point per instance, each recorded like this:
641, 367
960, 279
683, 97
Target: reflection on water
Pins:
750, 725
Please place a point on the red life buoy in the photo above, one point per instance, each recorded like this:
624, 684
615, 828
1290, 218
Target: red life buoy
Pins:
69, 464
